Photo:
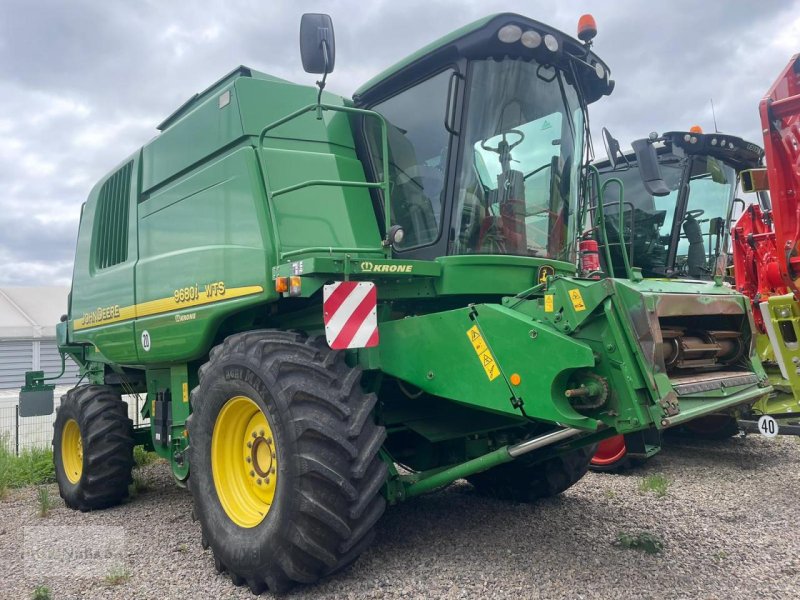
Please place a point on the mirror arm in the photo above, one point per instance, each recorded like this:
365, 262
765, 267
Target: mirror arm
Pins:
63, 369
321, 83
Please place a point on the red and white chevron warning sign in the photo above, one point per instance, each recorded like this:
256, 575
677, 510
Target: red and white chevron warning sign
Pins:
350, 312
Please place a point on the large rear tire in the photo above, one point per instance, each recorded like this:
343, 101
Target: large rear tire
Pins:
93, 448
523, 480
284, 451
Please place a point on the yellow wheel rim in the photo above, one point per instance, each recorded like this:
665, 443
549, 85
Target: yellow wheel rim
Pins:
72, 451
244, 461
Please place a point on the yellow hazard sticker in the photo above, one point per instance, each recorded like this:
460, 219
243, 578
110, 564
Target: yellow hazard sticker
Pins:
484, 354
185, 392
577, 300
548, 302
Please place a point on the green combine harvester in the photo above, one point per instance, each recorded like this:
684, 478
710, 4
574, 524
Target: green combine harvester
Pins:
683, 234
337, 304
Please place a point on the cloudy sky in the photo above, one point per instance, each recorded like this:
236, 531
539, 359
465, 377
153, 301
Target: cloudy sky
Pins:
84, 82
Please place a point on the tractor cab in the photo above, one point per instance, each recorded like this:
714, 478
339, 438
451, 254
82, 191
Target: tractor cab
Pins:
486, 136
680, 230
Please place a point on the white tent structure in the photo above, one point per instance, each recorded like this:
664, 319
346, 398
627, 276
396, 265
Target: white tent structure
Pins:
28, 317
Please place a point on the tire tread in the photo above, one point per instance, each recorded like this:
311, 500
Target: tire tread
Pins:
339, 469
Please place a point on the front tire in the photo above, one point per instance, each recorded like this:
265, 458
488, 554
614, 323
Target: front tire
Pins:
305, 503
523, 480
93, 448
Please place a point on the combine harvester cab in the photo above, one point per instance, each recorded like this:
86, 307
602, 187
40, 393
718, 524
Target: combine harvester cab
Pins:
312, 290
679, 232
766, 251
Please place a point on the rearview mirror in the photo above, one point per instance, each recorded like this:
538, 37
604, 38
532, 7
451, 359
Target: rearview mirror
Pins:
755, 180
36, 396
317, 43
648, 168
36, 403
612, 147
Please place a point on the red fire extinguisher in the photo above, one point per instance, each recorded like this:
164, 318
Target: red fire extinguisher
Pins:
590, 258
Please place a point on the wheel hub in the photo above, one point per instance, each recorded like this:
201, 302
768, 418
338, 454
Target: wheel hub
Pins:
244, 461
261, 456
72, 451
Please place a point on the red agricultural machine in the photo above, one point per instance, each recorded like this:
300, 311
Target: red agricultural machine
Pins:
766, 246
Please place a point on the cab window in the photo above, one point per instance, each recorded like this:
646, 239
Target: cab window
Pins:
418, 149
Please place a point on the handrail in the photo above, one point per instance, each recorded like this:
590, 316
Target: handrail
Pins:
594, 181
622, 242
329, 250
621, 223
384, 184
330, 182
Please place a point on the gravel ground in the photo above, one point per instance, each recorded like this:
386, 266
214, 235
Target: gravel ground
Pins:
728, 522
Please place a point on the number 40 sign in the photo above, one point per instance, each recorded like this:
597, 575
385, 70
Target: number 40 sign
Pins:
767, 426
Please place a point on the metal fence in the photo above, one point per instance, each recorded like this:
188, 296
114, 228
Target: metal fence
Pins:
24, 433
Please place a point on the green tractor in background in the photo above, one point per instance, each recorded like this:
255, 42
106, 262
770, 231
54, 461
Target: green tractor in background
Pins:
314, 291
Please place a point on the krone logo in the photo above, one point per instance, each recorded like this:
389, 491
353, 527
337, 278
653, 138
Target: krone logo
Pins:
367, 266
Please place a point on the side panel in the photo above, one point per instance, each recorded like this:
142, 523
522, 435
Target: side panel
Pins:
208, 127
203, 255
303, 149
103, 298
320, 216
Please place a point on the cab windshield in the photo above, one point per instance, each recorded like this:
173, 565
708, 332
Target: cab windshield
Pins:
518, 180
677, 235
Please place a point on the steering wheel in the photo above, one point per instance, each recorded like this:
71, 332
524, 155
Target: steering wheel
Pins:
509, 147
693, 214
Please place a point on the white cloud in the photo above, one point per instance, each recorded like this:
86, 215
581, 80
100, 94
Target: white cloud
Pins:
53, 107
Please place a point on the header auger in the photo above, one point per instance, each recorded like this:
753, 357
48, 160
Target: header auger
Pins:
430, 226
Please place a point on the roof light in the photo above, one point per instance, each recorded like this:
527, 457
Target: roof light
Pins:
550, 42
531, 39
509, 34
695, 129
600, 70
587, 28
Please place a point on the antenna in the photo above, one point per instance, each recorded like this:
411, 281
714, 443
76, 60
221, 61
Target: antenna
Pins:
714, 114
